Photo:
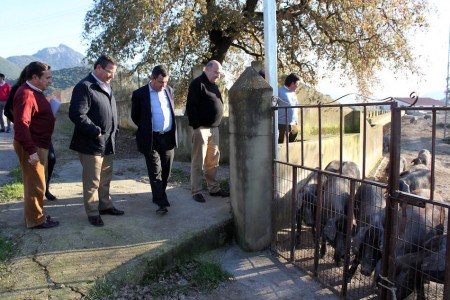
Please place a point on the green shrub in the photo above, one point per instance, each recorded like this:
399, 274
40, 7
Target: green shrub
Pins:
6, 249
102, 289
14, 190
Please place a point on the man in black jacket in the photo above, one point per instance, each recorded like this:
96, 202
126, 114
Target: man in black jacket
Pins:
93, 110
204, 108
152, 110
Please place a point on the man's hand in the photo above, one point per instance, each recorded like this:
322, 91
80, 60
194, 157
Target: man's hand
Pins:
34, 159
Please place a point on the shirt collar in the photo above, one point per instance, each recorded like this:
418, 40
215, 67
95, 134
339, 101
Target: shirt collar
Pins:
152, 90
98, 80
34, 87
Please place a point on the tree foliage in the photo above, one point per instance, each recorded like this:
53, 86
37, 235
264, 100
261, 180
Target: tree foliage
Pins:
351, 37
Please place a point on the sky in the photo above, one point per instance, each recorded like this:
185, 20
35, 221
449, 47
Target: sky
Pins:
432, 49
30, 25
50, 23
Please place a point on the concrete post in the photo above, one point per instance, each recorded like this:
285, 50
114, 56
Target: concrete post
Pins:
251, 159
257, 65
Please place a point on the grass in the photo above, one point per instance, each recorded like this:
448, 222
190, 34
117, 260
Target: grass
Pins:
179, 176
6, 249
101, 289
209, 275
188, 275
14, 190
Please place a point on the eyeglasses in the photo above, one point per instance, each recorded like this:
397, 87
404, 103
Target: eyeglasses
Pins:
109, 72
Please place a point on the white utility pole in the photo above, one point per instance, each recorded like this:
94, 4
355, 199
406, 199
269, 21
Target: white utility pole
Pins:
270, 55
447, 88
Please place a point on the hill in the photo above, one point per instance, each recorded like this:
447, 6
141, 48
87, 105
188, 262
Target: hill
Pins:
66, 78
22, 60
10, 70
61, 57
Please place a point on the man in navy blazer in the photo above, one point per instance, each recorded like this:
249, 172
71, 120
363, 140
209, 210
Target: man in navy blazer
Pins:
152, 110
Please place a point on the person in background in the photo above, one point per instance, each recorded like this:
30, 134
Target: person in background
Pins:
9, 114
33, 129
204, 109
93, 111
288, 97
50, 166
5, 90
152, 110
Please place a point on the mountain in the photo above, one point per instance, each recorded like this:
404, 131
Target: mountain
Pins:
61, 57
66, 78
10, 70
22, 60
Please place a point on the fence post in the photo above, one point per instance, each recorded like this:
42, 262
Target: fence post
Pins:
389, 241
251, 167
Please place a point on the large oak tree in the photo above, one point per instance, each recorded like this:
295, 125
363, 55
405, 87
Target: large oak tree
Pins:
351, 37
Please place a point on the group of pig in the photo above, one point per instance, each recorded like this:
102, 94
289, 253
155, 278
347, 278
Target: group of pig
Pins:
420, 245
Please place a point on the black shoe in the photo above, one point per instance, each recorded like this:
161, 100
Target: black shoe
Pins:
96, 221
162, 210
220, 193
164, 202
8, 130
3, 130
47, 224
50, 196
199, 198
112, 211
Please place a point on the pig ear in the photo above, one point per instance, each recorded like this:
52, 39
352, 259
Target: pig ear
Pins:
330, 229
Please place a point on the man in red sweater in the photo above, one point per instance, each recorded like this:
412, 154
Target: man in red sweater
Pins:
5, 89
33, 127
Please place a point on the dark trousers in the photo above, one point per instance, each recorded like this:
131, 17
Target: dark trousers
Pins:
50, 165
159, 164
292, 130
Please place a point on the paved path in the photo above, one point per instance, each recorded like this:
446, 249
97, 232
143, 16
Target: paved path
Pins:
64, 262
8, 158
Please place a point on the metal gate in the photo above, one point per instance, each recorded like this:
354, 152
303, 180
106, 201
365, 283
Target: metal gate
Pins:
365, 237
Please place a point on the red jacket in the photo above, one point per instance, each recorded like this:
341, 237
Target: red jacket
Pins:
5, 89
33, 119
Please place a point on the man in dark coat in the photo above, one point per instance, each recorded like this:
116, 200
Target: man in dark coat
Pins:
152, 111
204, 109
93, 110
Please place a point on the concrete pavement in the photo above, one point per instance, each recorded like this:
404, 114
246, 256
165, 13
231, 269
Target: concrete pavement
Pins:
64, 262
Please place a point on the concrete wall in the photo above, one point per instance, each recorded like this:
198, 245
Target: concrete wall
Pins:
352, 141
352, 150
183, 152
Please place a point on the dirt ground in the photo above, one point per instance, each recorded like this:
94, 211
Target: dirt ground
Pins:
416, 136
